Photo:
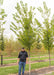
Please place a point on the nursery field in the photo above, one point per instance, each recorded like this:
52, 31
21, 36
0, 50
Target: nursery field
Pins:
27, 30
10, 65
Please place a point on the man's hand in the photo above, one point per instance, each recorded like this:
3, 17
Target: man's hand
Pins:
26, 60
18, 61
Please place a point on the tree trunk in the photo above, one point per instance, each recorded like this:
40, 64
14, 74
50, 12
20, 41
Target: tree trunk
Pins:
49, 58
29, 63
1, 59
39, 55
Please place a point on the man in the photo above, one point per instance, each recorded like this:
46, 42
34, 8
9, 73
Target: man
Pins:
22, 60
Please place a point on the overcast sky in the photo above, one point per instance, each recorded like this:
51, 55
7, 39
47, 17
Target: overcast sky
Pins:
9, 6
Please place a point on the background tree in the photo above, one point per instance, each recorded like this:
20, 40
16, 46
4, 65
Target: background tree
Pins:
52, 26
47, 27
24, 29
2, 22
38, 45
1, 2
38, 35
12, 46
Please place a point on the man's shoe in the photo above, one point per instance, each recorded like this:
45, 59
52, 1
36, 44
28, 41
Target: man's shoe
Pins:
19, 74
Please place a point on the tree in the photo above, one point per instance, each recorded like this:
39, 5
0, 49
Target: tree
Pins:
24, 29
1, 2
2, 22
47, 29
38, 45
38, 35
52, 25
12, 46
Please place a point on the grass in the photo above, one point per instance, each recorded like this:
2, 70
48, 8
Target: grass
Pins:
8, 57
42, 58
14, 69
31, 56
9, 61
32, 59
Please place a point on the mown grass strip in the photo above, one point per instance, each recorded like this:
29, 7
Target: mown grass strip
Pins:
14, 69
32, 59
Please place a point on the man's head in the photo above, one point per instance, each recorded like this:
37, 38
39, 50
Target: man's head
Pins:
23, 49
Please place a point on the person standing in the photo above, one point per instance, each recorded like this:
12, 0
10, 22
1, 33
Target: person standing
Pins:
22, 60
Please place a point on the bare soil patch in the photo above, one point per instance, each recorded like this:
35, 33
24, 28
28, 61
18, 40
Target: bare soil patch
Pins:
32, 62
41, 71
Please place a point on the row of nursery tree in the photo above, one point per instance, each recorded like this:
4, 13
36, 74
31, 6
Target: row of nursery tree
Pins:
12, 48
28, 29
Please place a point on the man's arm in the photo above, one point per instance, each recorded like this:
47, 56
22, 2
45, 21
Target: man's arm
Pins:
18, 60
27, 60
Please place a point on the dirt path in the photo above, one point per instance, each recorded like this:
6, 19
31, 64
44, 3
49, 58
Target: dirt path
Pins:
11, 59
31, 57
32, 62
41, 71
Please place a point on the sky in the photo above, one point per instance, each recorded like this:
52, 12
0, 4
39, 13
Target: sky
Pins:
9, 7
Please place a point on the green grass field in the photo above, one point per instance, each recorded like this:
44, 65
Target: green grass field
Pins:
9, 61
15, 60
14, 69
8, 57
33, 55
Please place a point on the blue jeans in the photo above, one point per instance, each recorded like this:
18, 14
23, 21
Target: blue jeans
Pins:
21, 65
